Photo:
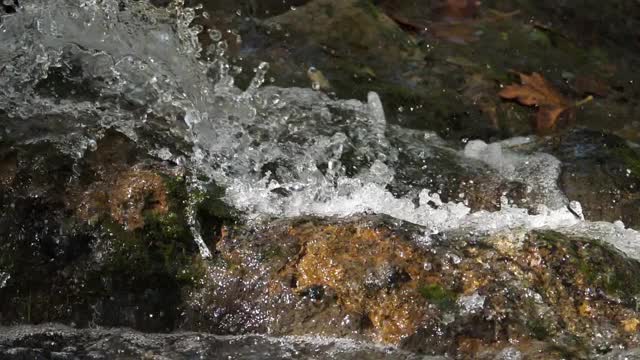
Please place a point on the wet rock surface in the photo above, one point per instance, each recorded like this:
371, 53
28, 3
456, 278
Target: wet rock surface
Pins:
602, 172
373, 280
105, 233
439, 67
539, 294
114, 249
64, 343
100, 241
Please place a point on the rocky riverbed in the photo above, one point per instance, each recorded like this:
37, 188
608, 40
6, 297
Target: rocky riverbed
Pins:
197, 181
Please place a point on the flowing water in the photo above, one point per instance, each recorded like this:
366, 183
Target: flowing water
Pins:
71, 69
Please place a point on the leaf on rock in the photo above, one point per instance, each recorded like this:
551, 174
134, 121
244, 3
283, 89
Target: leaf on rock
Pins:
535, 90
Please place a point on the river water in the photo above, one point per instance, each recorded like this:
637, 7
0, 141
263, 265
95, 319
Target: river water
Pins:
71, 69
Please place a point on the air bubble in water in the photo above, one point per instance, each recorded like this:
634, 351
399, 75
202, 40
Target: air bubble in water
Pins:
215, 35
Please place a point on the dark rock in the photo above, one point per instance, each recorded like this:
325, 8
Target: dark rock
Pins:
602, 172
60, 342
100, 240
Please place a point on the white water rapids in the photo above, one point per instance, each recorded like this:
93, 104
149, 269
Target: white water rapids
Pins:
70, 69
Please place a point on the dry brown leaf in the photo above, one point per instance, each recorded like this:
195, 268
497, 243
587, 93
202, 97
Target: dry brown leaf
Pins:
535, 90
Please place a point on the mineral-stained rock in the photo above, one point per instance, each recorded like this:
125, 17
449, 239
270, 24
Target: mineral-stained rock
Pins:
113, 185
126, 196
367, 278
129, 259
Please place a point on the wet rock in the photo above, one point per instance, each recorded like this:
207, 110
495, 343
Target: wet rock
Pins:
60, 342
372, 279
425, 164
99, 240
128, 197
602, 172
269, 8
132, 261
327, 21
8, 169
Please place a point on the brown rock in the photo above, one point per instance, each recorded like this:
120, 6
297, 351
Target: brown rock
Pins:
366, 278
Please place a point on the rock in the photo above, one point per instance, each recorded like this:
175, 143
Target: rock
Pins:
346, 25
99, 240
602, 172
423, 165
366, 278
60, 342
269, 8
8, 169
127, 257
127, 198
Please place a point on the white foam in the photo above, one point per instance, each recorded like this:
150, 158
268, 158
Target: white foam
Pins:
280, 152
539, 171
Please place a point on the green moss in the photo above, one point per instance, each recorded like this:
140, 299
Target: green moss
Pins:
436, 294
630, 158
601, 265
540, 37
272, 252
164, 245
176, 190
193, 272
538, 329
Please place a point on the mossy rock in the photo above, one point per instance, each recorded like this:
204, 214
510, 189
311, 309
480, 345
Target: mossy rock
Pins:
112, 248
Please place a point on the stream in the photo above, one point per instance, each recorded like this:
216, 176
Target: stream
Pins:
76, 74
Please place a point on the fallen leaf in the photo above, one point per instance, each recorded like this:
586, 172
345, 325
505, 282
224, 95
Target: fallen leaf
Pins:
537, 91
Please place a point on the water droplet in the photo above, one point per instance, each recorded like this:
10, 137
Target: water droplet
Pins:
215, 35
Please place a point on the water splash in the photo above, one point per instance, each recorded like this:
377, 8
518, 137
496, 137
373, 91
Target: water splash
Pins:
72, 69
